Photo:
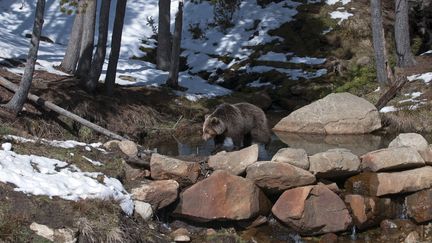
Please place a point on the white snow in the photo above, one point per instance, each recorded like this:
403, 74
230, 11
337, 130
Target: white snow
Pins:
426, 53
333, 2
308, 60
54, 143
388, 109
6, 146
340, 15
426, 77
93, 162
258, 84
294, 74
54, 178
251, 26
275, 57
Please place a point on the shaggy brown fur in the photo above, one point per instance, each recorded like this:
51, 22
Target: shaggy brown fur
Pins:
244, 123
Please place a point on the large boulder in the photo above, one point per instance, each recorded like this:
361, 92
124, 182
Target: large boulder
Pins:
413, 140
222, 196
234, 162
334, 163
275, 177
296, 157
391, 159
380, 184
370, 211
164, 168
159, 194
340, 113
426, 154
419, 206
312, 210
358, 144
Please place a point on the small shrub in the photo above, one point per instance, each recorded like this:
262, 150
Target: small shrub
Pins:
361, 80
223, 12
196, 31
152, 24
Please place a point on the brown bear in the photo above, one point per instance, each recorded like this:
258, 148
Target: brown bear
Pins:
244, 123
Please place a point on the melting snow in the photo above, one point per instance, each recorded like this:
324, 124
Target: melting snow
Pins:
340, 15
54, 178
55, 143
388, 109
308, 60
258, 84
275, 57
426, 77
332, 2
294, 74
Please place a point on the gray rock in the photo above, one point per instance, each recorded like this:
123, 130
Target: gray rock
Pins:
334, 163
234, 162
296, 157
413, 140
340, 113
129, 148
391, 159
143, 209
275, 177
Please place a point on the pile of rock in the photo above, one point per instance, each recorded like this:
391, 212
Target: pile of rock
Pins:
304, 195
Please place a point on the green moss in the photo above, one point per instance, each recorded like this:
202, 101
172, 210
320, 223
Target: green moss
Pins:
360, 80
416, 45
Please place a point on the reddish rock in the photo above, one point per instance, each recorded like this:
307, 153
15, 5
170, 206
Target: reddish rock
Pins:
370, 211
274, 177
391, 159
222, 196
157, 193
419, 206
164, 168
329, 238
379, 184
312, 210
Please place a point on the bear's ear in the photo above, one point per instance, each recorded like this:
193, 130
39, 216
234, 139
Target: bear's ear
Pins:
214, 120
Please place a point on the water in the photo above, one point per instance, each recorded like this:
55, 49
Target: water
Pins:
312, 143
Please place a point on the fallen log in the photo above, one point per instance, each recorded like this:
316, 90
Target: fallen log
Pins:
391, 93
46, 104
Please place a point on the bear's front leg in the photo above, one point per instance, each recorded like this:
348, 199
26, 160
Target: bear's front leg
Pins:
237, 141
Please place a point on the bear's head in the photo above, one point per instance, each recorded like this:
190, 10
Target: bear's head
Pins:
212, 127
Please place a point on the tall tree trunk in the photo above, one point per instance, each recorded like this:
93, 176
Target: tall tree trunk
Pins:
72, 54
163, 52
87, 42
99, 57
175, 52
405, 57
115, 46
378, 37
17, 102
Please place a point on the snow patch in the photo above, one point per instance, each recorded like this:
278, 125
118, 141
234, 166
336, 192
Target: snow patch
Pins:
387, 109
333, 2
426, 77
274, 57
54, 178
308, 60
340, 15
67, 144
294, 74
